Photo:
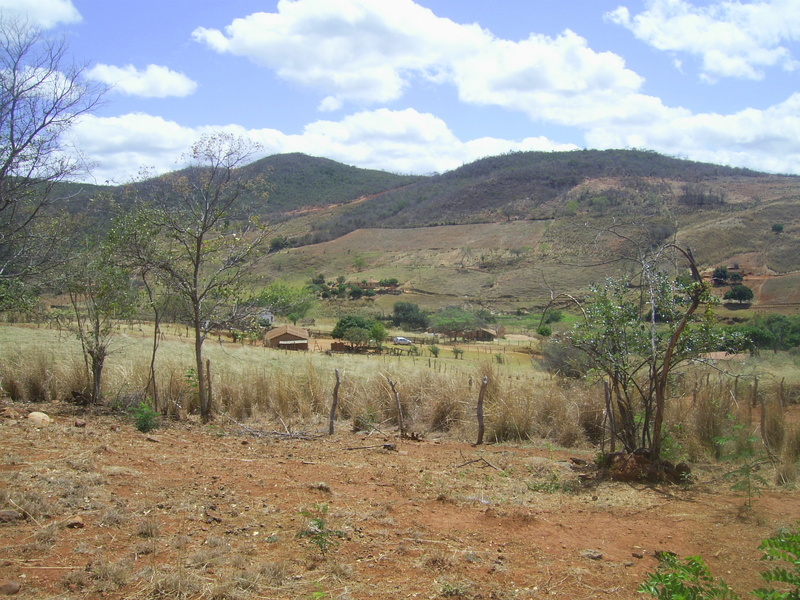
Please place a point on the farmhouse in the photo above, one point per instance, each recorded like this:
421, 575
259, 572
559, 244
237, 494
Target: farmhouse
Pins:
485, 335
287, 337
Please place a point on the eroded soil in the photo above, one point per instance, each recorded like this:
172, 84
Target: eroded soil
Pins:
192, 511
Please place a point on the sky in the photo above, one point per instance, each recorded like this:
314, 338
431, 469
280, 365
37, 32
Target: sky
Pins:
426, 86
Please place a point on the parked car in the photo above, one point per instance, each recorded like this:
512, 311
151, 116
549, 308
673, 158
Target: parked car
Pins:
403, 341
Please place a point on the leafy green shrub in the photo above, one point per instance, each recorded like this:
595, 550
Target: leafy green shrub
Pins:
786, 547
144, 417
691, 580
553, 316
434, 350
685, 580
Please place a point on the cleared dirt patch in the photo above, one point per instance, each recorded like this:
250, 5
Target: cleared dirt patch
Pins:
215, 512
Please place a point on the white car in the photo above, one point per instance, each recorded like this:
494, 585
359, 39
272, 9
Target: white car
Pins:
403, 341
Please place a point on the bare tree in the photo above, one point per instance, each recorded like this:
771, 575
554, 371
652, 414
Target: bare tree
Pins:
207, 242
42, 95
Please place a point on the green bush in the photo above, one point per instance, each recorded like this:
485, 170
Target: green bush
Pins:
145, 418
690, 579
685, 580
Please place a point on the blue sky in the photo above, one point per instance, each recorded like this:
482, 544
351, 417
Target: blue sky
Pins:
425, 86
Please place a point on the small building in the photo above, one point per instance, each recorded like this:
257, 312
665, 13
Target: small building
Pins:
287, 337
485, 334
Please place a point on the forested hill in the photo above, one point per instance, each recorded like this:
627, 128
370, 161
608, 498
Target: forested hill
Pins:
298, 181
536, 185
325, 199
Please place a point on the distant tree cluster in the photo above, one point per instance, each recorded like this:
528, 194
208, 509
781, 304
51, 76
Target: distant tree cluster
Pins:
409, 316
701, 196
359, 331
723, 276
349, 290
738, 293
771, 332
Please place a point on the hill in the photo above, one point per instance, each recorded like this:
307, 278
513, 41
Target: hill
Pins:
506, 231
298, 181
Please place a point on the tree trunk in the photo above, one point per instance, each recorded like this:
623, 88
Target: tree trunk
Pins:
205, 409
662, 375
98, 360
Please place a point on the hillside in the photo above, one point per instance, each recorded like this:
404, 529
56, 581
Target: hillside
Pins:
506, 231
297, 181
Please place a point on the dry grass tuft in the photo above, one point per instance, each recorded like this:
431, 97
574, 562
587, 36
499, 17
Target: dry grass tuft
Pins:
147, 528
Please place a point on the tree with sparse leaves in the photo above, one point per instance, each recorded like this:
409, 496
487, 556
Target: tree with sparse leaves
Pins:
42, 95
639, 329
207, 243
101, 295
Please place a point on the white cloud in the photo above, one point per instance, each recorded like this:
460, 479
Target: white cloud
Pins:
355, 50
766, 139
42, 13
733, 39
404, 141
554, 79
370, 51
120, 147
154, 82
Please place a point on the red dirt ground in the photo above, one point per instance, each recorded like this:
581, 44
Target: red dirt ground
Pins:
194, 511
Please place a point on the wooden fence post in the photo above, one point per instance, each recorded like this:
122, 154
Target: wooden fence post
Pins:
335, 403
399, 407
481, 395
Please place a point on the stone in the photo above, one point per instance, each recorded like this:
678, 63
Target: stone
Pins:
592, 554
39, 419
9, 587
80, 423
8, 515
76, 522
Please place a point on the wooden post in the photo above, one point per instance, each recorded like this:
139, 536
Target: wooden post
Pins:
335, 402
481, 395
754, 399
399, 407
